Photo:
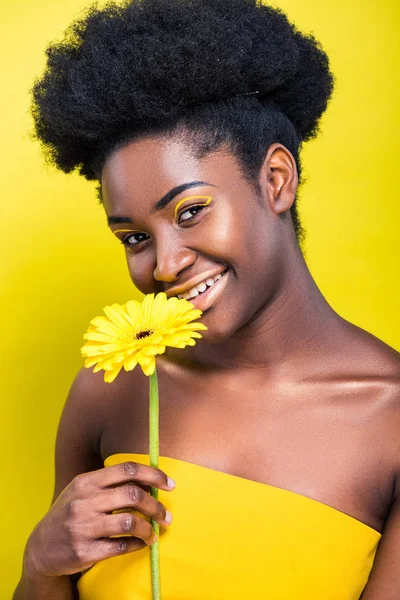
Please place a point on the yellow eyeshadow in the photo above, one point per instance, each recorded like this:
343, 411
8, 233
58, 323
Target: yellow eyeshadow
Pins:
126, 230
208, 200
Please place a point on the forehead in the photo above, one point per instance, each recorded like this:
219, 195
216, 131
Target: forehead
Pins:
152, 166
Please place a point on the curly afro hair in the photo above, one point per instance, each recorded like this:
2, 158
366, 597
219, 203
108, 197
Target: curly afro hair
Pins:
145, 67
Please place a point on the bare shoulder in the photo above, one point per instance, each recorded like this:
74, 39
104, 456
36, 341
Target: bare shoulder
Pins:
102, 401
362, 375
374, 370
90, 408
370, 358
118, 412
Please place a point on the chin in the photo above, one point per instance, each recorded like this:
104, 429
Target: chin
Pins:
219, 330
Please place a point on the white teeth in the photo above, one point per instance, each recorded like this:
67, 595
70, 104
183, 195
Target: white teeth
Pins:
200, 288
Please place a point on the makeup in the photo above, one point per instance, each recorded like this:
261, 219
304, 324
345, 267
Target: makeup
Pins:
126, 230
208, 200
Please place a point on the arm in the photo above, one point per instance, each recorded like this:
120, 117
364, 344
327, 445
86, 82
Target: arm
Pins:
81, 526
74, 454
60, 588
384, 580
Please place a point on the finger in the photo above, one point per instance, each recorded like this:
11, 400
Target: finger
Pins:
108, 547
114, 547
129, 472
124, 524
146, 488
132, 496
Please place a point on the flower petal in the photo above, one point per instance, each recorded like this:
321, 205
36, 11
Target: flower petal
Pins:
109, 376
104, 325
98, 337
130, 363
152, 350
116, 314
149, 369
147, 308
134, 310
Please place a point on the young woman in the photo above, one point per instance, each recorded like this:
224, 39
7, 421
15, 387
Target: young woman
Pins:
280, 427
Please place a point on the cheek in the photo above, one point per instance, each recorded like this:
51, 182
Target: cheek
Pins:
253, 240
227, 233
226, 236
141, 270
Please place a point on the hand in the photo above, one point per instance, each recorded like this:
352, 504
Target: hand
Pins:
74, 534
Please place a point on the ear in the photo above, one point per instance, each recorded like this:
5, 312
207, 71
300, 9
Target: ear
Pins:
279, 178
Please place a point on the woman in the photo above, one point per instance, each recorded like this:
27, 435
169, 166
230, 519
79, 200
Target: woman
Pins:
280, 426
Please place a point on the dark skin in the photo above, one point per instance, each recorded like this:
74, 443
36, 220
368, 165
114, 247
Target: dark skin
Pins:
280, 390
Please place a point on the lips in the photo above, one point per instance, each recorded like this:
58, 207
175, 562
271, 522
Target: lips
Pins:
190, 285
206, 299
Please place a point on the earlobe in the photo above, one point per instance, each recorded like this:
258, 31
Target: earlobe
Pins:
281, 176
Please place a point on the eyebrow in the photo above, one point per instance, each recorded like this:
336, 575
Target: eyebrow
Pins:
163, 202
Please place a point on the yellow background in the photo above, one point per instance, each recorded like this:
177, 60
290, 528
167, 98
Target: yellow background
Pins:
60, 265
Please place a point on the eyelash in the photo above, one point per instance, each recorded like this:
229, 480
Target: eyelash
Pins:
200, 206
196, 206
124, 242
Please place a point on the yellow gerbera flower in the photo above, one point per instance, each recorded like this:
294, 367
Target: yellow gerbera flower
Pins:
135, 332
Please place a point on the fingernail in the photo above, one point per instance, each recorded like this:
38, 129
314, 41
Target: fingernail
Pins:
168, 517
170, 482
154, 539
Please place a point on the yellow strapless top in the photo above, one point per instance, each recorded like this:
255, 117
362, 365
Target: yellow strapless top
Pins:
236, 539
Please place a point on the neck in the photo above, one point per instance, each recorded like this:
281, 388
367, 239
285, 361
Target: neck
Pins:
290, 326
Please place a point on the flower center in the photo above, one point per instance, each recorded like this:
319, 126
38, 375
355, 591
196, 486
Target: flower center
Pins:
143, 334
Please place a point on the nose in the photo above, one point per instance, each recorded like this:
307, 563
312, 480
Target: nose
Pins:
171, 260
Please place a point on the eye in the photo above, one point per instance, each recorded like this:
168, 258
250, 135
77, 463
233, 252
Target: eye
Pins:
191, 212
133, 239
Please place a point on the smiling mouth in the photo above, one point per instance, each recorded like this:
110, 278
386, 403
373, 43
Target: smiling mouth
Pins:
204, 300
202, 288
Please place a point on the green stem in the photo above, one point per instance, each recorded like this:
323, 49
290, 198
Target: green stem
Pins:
154, 453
